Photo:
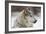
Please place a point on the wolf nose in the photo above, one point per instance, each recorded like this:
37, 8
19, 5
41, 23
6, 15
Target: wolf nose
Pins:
35, 21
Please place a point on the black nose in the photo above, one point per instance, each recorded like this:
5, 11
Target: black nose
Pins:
35, 21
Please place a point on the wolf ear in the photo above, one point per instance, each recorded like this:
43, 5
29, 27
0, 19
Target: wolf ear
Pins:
24, 11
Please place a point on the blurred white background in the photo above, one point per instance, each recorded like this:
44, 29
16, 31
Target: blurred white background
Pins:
2, 17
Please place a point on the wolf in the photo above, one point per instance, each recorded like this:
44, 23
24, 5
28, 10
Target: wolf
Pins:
25, 19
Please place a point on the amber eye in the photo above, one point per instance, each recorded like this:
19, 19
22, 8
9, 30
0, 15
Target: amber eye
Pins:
29, 14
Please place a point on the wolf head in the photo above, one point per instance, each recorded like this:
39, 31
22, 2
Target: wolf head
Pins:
29, 15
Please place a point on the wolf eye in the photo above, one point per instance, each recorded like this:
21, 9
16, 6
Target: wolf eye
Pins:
30, 15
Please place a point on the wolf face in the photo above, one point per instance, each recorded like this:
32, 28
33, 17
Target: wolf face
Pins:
25, 19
